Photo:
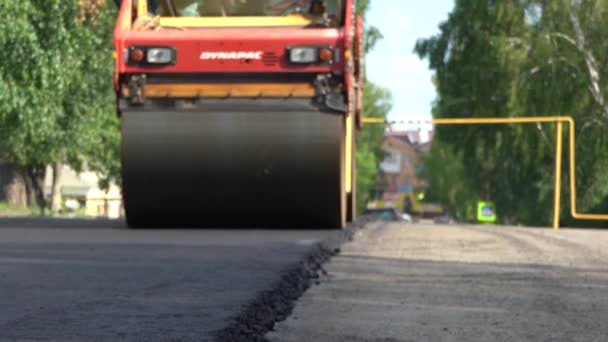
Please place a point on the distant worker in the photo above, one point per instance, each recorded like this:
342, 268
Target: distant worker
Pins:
407, 205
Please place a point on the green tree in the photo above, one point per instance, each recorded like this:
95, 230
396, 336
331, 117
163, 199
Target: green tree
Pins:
56, 99
55, 95
518, 58
376, 103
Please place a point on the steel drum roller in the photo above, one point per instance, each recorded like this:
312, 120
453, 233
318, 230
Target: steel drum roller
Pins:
216, 167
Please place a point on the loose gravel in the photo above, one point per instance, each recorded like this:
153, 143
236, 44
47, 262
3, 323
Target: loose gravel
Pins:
419, 282
276, 304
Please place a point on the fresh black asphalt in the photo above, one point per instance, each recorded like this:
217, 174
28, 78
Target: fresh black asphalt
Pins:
95, 280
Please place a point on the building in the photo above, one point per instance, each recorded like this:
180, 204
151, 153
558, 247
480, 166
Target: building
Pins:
402, 171
399, 168
80, 191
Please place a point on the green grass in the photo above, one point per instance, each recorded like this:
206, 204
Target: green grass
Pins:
7, 210
12, 211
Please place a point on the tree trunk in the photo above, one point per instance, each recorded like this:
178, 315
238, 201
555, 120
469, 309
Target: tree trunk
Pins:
593, 66
56, 188
29, 192
35, 186
12, 185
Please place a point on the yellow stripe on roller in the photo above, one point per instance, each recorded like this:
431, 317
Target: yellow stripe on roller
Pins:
349, 153
291, 20
269, 90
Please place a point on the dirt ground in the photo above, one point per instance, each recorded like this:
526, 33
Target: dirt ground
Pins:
403, 282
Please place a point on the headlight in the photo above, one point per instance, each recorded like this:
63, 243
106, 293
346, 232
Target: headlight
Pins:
147, 55
303, 55
311, 55
159, 56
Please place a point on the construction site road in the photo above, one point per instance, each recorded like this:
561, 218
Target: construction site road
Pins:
95, 280
404, 282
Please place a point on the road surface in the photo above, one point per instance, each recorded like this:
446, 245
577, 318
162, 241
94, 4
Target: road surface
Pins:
457, 283
89, 280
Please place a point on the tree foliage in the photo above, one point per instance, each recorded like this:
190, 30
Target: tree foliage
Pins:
56, 101
376, 103
518, 58
55, 89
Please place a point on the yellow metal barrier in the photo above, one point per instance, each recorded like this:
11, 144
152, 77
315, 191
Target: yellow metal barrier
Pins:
558, 175
559, 120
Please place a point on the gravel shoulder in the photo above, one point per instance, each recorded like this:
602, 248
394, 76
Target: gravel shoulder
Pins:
458, 283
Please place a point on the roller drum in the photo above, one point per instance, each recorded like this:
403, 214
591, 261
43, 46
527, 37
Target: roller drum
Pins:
233, 166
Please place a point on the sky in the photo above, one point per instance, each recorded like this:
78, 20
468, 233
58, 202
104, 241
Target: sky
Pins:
393, 64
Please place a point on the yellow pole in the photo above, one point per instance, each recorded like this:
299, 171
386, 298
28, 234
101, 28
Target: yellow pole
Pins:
558, 175
378, 121
575, 213
572, 164
349, 153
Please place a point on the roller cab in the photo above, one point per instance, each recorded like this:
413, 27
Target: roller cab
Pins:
237, 113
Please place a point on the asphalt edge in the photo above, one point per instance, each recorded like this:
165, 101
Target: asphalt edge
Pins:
259, 317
